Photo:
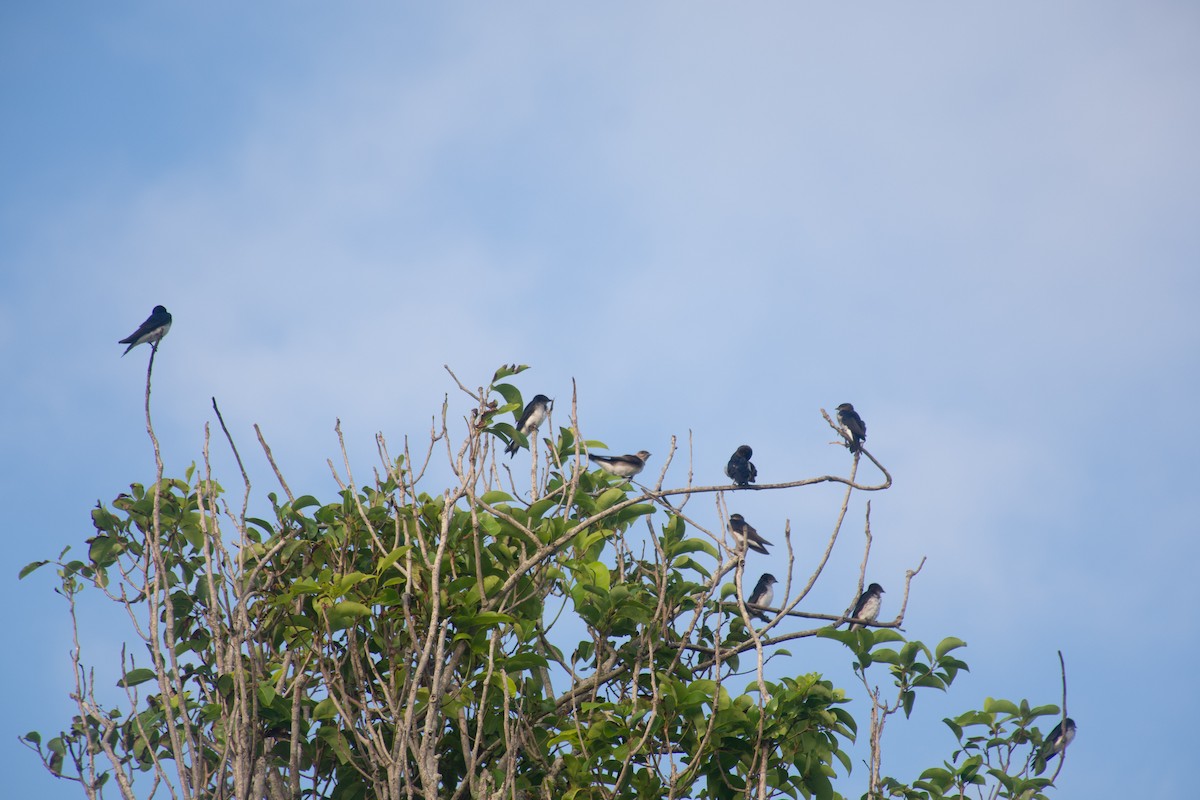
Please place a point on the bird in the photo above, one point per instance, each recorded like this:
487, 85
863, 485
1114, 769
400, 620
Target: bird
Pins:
531, 419
625, 466
763, 594
745, 534
739, 469
867, 607
1055, 743
854, 425
152, 330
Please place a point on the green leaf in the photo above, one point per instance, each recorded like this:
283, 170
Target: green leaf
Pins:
693, 546
688, 562
347, 582
937, 774
993, 706
136, 676
324, 710
946, 645
511, 394
304, 502
598, 573
30, 567
508, 370
349, 608
909, 653
846, 637
391, 558
488, 619
1043, 711
336, 741
103, 550
523, 661
886, 655
541, 507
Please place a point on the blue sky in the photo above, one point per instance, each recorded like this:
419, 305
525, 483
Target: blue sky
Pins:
976, 222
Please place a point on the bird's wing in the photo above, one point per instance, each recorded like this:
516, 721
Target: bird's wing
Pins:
752, 534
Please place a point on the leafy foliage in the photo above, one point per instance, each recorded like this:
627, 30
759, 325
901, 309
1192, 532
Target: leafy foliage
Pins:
396, 643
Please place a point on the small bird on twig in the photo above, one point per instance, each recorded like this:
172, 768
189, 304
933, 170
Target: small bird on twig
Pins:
867, 607
625, 466
739, 469
152, 330
745, 534
763, 594
854, 425
1054, 744
531, 419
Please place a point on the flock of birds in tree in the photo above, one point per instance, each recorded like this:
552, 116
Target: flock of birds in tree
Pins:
742, 472
739, 469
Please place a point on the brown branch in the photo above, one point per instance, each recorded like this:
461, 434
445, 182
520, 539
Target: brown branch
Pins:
271, 460
1062, 756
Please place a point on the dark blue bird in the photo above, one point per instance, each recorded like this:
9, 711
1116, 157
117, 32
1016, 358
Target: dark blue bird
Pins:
531, 419
625, 466
763, 594
152, 330
746, 535
867, 607
856, 429
739, 469
1054, 744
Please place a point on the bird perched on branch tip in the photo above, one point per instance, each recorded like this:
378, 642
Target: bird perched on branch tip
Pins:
151, 331
855, 428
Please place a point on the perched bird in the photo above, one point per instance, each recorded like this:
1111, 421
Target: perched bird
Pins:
531, 419
763, 594
746, 535
867, 607
152, 330
739, 468
625, 466
1055, 743
855, 427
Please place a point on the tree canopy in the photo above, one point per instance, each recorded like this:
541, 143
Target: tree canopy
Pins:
581, 635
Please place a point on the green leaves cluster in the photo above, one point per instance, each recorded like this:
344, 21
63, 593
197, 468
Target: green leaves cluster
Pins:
914, 666
998, 746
